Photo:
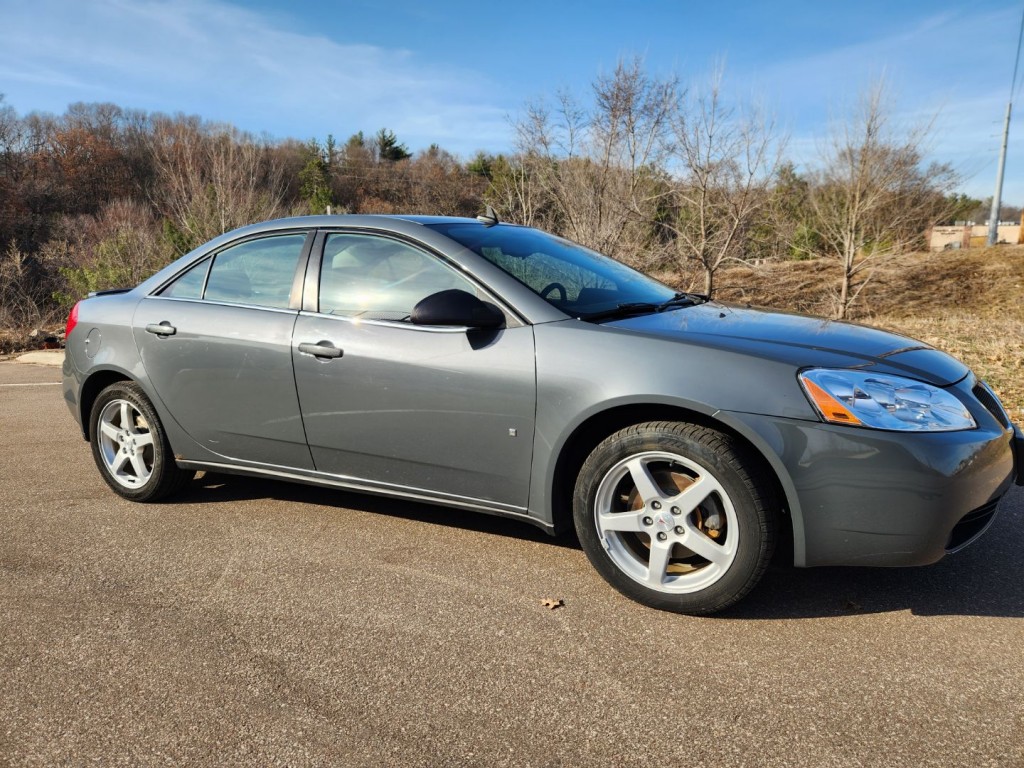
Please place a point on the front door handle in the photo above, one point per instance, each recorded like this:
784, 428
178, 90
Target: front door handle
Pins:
322, 349
163, 328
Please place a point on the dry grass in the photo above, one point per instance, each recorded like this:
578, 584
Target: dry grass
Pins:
968, 303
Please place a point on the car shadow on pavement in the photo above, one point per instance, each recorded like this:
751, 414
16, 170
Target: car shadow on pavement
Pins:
214, 487
986, 579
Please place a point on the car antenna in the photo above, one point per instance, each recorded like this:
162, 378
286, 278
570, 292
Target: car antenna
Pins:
489, 217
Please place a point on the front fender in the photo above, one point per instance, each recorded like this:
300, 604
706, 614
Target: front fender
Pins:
583, 372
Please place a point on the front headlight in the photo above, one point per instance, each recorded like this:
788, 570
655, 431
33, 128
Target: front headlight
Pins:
883, 402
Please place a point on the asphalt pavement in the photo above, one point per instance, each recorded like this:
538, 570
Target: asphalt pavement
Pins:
259, 623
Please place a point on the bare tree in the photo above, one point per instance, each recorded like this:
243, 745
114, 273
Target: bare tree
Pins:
729, 157
598, 168
872, 199
12, 133
515, 190
439, 184
212, 179
24, 297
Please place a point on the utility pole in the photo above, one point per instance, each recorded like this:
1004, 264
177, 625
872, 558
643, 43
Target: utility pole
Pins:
997, 198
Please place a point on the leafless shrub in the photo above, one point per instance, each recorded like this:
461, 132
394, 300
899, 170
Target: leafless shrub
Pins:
729, 157
872, 199
212, 179
593, 174
27, 285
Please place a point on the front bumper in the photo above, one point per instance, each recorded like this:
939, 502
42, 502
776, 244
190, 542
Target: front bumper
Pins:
868, 497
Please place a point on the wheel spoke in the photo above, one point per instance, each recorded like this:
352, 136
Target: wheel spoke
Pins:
126, 416
142, 439
118, 462
658, 562
108, 430
139, 465
622, 521
701, 544
644, 480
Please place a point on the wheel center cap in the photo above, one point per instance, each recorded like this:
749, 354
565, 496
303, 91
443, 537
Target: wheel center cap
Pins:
663, 522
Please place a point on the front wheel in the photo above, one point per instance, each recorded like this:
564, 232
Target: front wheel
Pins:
675, 516
130, 447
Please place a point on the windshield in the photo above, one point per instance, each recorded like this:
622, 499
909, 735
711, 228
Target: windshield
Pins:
574, 279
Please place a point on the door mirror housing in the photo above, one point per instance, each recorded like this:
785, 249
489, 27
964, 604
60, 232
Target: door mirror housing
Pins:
457, 307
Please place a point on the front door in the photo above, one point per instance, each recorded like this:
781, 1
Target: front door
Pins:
409, 408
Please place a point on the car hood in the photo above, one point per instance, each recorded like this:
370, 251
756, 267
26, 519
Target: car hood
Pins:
803, 341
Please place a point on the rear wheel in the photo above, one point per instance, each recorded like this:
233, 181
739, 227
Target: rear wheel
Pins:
675, 516
130, 447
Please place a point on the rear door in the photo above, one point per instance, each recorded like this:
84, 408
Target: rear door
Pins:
216, 345
409, 408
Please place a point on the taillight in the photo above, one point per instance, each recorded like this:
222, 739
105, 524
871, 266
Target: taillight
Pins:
72, 320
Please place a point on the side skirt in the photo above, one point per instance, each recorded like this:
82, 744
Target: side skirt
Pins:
394, 492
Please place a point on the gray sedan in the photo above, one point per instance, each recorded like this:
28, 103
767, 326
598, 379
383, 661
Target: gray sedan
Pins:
499, 369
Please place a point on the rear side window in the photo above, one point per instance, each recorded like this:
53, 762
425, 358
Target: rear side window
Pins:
190, 284
258, 272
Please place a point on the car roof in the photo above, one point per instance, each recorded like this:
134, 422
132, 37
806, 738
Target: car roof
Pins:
426, 220
360, 220
363, 219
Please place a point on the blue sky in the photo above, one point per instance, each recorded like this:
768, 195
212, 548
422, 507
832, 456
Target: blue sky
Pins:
454, 73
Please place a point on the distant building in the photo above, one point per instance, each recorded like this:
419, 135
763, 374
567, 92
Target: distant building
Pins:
971, 235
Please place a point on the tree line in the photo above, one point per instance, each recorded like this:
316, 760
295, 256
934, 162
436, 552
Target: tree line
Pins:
678, 181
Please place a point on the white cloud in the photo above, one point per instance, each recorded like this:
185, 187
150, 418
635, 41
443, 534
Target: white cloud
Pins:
231, 64
951, 68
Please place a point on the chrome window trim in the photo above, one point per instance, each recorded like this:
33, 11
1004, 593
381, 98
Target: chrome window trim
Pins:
213, 303
405, 325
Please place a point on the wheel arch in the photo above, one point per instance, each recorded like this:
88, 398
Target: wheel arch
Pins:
596, 427
91, 388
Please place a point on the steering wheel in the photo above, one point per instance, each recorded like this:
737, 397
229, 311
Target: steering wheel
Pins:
555, 287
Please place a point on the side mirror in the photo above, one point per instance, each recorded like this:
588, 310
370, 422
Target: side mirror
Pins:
456, 307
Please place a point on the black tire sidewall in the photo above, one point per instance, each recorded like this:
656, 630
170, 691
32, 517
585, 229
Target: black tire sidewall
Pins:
164, 472
717, 454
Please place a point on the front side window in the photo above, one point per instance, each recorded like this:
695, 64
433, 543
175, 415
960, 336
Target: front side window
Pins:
377, 278
257, 272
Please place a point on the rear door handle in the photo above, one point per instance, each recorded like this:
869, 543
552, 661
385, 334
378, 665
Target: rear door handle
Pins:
321, 349
162, 328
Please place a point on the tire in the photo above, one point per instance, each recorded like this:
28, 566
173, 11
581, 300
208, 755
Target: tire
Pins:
674, 516
130, 446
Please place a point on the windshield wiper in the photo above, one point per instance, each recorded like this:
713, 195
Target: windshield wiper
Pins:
642, 307
629, 308
623, 310
683, 300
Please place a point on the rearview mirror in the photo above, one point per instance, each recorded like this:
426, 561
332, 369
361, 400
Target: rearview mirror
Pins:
456, 307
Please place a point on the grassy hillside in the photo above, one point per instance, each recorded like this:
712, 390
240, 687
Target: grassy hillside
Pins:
969, 303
